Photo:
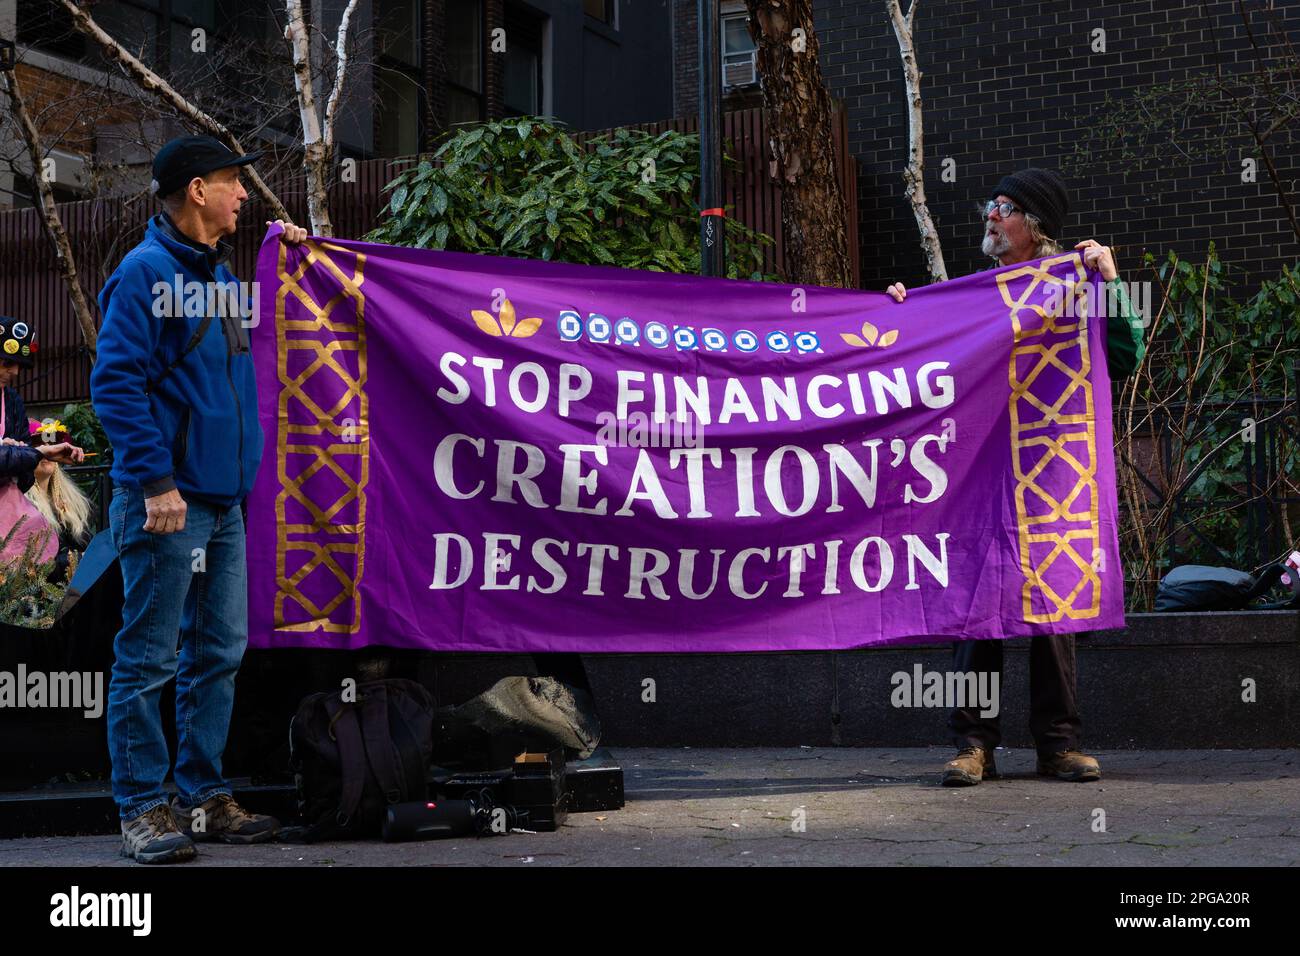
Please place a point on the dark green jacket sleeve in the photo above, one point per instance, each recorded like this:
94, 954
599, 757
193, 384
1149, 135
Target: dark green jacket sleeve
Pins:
1125, 341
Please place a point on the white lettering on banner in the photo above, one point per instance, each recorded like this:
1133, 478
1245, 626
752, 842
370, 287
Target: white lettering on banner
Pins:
793, 477
509, 478
574, 482
645, 573
768, 483
694, 458
549, 565
529, 388
442, 465
646, 486
686, 573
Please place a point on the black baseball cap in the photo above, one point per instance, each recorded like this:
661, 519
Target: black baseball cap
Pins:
188, 156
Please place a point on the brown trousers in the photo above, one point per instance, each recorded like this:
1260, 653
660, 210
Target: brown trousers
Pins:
1053, 699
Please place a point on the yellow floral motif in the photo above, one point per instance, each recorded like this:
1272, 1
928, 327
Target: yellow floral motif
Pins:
505, 323
870, 336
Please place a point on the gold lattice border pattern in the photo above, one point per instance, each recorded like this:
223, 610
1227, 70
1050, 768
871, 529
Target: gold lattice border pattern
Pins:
336, 327
1059, 448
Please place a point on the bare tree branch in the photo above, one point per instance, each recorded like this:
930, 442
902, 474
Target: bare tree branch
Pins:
340, 73
49, 213
151, 82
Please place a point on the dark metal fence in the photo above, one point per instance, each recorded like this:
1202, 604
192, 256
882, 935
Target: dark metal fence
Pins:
98, 487
1258, 504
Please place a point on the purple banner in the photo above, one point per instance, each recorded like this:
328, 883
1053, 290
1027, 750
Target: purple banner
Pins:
482, 454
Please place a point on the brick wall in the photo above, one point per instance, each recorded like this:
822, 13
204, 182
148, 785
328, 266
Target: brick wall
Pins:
686, 59
66, 111
1009, 84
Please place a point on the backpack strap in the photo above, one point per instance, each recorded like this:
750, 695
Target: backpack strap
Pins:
352, 756
190, 346
1267, 578
411, 757
1265, 581
379, 742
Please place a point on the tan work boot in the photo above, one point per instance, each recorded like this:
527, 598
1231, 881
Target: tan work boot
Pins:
221, 818
153, 837
1070, 765
969, 767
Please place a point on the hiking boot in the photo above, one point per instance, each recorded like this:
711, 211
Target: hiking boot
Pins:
969, 767
221, 818
1070, 765
153, 837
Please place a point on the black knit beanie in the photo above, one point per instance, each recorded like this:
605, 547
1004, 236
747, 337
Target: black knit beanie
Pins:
1041, 192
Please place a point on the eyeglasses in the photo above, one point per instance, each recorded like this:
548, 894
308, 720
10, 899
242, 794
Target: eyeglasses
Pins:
1005, 209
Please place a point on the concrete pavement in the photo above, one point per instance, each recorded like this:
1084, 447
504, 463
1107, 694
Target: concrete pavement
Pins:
843, 806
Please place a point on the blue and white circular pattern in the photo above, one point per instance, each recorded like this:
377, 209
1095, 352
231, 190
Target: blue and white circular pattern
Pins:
570, 325
658, 335
715, 340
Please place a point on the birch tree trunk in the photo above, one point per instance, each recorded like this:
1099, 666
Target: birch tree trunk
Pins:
50, 214
317, 135
913, 174
802, 145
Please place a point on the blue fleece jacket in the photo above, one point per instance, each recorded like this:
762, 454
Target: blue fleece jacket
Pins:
196, 430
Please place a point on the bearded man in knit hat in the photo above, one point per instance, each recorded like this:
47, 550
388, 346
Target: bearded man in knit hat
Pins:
1023, 220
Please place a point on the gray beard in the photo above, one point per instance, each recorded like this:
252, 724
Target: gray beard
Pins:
994, 247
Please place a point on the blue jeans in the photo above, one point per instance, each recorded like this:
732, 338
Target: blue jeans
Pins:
188, 588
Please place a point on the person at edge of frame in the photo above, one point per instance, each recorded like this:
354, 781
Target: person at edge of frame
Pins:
1023, 219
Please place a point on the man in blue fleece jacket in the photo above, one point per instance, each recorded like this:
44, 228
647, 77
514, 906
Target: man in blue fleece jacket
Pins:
173, 386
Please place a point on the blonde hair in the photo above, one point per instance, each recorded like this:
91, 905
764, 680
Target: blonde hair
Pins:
62, 504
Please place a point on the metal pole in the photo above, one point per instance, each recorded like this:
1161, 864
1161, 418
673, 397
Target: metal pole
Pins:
711, 214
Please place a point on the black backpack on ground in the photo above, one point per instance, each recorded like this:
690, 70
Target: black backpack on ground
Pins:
351, 760
1194, 587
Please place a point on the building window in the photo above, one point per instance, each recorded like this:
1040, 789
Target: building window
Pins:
157, 31
738, 52
48, 27
398, 79
465, 100
524, 76
602, 10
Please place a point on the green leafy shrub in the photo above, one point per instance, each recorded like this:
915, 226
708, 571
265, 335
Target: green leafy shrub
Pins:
523, 187
1215, 361
27, 598
83, 425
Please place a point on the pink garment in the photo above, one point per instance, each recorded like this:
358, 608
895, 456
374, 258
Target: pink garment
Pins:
14, 506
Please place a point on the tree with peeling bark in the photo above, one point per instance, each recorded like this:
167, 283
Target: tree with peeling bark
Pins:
802, 143
913, 173
49, 212
317, 134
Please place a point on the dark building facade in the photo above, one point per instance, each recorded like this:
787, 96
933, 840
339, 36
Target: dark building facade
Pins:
1013, 83
418, 68
590, 64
